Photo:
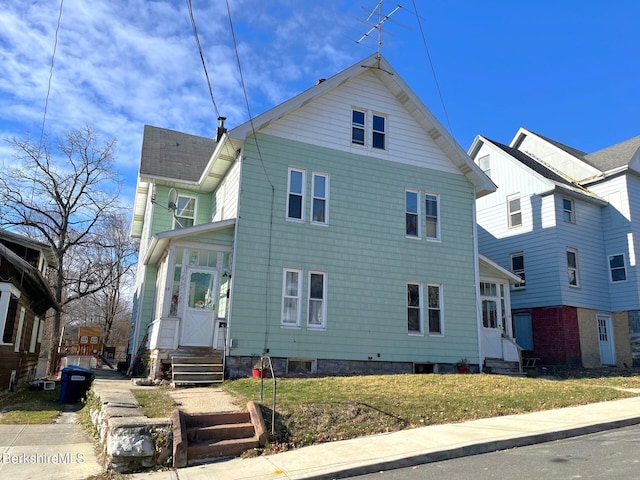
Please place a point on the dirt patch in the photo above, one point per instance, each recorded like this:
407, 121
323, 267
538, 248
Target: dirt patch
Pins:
204, 400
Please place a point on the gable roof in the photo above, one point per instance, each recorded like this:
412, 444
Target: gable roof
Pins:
390, 78
39, 290
616, 156
47, 251
174, 155
570, 150
531, 163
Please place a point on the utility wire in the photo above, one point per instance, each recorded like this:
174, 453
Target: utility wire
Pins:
433, 70
267, 286
204, 65
46, 100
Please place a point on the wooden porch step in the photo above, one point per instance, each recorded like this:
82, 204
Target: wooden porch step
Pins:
197, 369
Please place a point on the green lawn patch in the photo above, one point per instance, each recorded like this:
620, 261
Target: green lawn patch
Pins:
155, 402
317, 410
24, 406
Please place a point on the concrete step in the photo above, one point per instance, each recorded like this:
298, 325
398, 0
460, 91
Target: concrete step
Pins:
219, 448
190, 369
216, 432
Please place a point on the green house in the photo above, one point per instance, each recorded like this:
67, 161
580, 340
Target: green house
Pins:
334, 233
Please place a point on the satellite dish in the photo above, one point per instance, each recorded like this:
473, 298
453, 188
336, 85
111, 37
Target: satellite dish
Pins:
172, 199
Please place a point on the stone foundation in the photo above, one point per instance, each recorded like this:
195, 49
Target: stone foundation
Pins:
130, 441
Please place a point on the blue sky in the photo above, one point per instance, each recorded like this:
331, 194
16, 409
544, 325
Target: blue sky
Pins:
566, 69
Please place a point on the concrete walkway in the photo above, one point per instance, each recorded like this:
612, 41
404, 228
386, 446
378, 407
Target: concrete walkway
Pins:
416, 446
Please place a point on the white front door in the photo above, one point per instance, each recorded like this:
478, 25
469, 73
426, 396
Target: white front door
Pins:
199, 311
492, 320
605, 339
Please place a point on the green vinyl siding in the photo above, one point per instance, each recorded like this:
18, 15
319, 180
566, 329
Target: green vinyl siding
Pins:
163, 218
364, 252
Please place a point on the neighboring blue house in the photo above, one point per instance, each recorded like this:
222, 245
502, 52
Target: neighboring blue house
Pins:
334, 233
564, 220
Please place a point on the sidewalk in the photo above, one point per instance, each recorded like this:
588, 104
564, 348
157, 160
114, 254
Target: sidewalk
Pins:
416, 446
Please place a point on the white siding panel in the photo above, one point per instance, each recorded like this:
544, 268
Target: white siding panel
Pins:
225, 198
326, 122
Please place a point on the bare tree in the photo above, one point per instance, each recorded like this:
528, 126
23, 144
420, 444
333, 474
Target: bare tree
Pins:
60, 194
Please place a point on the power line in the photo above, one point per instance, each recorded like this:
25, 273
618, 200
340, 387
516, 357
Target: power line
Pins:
204, 65
53, 56
267, 285
433, 70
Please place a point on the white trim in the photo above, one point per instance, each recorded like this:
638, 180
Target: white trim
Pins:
6, 290
624, 266
176, 217
16, 347
301, 194
420, 331
417, 213
440, 309
323, 325
325, 198
437, 238
298, 297
34, 334
576, 268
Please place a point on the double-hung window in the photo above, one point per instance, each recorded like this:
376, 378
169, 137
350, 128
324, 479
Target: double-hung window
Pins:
514, 211
434, 294
412, 214
568, 212
7, 320
414, 308
185, 214
378, 132
320, 203
358, 127
517, 267
432, 216
617, 268
295, 196
572, 267
317, 299
291, 290
485, 165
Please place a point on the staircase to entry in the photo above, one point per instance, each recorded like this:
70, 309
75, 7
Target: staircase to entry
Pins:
502, 367
198, 437
193, 369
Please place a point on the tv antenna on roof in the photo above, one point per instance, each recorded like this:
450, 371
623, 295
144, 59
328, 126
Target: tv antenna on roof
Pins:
378, 26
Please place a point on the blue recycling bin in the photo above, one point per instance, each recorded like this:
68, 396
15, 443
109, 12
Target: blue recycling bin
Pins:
75, 381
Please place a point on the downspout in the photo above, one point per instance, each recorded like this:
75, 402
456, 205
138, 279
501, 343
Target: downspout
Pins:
228, 344
476, 268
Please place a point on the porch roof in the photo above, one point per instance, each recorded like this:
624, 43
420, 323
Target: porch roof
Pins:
499, 270
160, 241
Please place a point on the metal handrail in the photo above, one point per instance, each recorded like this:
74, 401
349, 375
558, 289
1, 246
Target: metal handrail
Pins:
273, 375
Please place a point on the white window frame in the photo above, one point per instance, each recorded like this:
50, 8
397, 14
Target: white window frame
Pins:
623, 268
6, 290
416, 213
301, 194
420, 309
382, 133
315, 196
426, 230
575, 269
297, 297
34, 334
177, 218
440, 309
323, 309
513, 213
519, 272
485, 165
17, 345
360, 127
568, 215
